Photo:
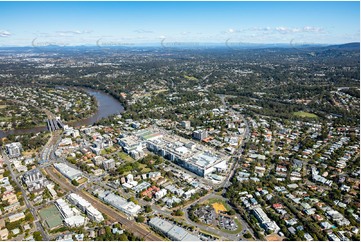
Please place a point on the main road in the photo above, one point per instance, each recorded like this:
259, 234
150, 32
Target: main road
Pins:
113, 215
25, 197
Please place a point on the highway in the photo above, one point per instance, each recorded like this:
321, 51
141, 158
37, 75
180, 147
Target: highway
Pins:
113, 215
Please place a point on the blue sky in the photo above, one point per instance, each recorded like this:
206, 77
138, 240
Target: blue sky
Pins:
126, 23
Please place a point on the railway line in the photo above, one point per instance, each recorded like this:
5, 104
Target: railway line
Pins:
113, 215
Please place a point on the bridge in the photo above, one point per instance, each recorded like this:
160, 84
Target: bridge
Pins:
54, 124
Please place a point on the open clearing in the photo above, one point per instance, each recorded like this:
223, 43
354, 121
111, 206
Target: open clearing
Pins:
305, 114
273, 237
219, 207
218, 201
82, 180
190, 78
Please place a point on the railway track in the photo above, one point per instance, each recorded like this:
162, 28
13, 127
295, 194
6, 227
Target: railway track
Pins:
113, 215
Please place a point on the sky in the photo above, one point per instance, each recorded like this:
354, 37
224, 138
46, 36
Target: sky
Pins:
176, 23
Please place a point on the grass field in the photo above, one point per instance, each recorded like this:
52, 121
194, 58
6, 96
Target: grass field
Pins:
305, 114
144, 169
125, 157
160, 90
190, 78
219, 207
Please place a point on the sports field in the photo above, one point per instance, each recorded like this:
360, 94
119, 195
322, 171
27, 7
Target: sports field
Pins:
51, 216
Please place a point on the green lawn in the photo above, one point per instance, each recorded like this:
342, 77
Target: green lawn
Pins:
125, 157
144, 169
305, 114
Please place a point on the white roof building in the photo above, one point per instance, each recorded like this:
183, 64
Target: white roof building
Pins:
86, 207
68, 171
75, 221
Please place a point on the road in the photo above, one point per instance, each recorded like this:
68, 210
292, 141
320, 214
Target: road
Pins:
226, 183
112, 214
209, 229
27, 203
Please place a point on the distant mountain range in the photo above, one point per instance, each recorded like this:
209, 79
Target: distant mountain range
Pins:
347, 46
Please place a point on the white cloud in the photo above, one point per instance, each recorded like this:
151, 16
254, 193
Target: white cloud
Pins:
306, 29
4, 33
73, 32
143, 31
312, 29
260, 29
283, 29
279, 29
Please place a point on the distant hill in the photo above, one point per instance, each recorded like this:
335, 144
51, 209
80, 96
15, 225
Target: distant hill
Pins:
348, 46
355, 46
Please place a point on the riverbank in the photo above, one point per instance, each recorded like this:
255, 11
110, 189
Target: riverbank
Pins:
106, 106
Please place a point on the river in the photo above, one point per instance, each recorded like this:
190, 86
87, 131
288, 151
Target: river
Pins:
107, 106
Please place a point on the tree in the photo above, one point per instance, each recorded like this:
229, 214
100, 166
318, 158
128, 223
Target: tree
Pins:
37, 236
6, 173
178, 212
123, 237
29, 217
140, 219
132, 199
75, 182
247, 235
231, 212
148, 209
